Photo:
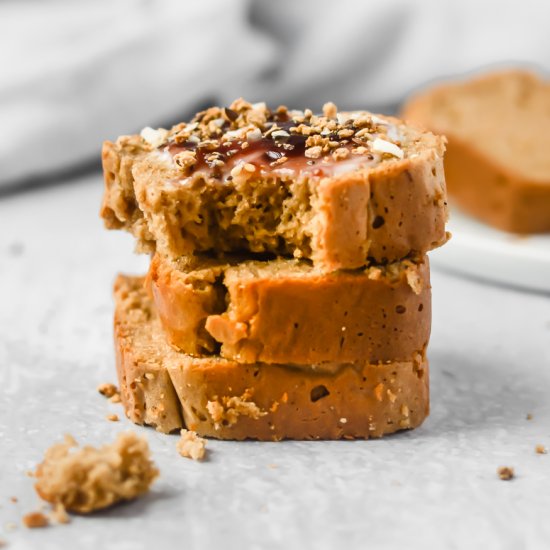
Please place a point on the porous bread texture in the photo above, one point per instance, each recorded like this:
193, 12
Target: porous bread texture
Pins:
145, 387
223, 399
86, 479
498, 128
344, 217
287, 311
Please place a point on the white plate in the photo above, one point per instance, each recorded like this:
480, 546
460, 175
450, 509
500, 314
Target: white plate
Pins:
478, 250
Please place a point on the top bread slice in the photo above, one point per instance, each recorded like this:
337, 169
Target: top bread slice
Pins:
497, 163
341, 189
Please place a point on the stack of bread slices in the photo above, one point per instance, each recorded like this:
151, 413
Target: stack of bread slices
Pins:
288, 294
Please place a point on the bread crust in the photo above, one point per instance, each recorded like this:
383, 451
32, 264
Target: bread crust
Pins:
288, 312
226, 400
478, 183
146, 391
383, 213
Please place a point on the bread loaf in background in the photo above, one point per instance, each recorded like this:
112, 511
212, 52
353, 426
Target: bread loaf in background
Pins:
497, 163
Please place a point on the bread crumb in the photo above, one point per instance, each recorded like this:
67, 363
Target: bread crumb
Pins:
107, 389
379, 391
541, 449
529, 416
229, 409
414, 280
190, 445
112, 417
10, 526
3, 543
505, 473
35, 519
87, 478
14, 499
115, 398
59, 514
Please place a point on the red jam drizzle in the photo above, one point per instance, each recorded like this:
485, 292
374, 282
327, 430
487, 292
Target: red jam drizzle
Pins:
264, 154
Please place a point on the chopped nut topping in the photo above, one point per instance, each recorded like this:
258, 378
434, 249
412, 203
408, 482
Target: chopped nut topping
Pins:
226, 132
345, 133
313, 152
505, 473
190, 445
153, 137
341, 153
383, 146
330, 110
362, 121
186, 159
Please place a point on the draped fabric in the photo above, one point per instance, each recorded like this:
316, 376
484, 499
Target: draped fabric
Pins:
76, 72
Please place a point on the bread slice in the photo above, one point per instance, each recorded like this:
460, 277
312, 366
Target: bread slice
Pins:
497, 163
340, 189
287, 311
223, 399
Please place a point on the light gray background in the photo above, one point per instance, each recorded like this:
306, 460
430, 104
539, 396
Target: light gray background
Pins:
435, 487
76, 73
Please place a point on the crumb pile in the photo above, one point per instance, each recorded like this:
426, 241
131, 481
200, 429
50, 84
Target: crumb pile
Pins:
84, 479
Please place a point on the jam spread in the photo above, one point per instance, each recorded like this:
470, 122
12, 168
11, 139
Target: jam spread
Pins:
249, 140
278, 152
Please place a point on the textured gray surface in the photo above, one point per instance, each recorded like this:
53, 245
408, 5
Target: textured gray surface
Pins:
432, 488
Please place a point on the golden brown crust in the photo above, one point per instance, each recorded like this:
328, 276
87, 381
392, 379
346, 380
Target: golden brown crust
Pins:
352, 212
227, 400
119, 208
480, 180
288, 312
145, 388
